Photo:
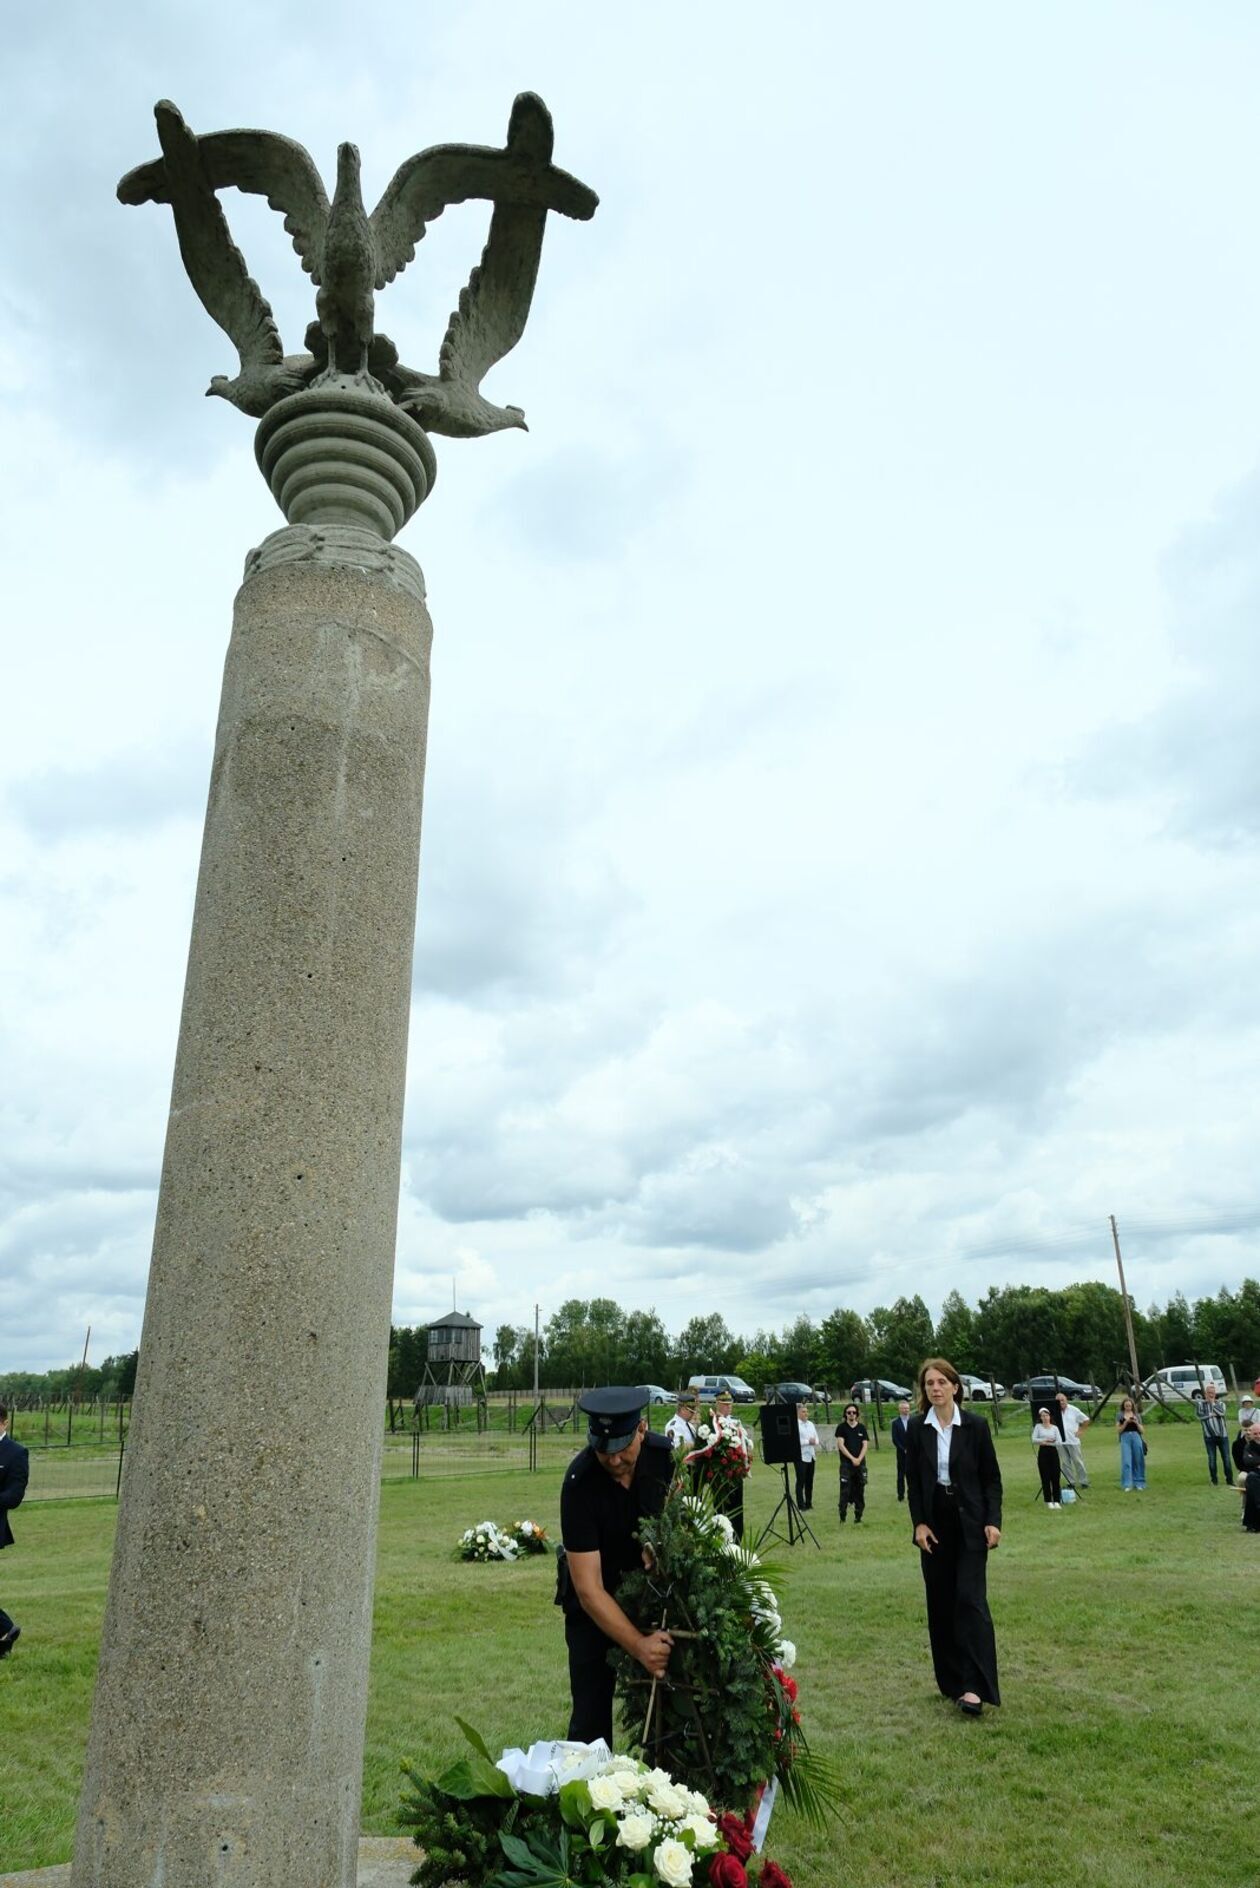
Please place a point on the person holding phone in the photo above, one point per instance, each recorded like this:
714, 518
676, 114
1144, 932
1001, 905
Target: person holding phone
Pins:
1132, 1446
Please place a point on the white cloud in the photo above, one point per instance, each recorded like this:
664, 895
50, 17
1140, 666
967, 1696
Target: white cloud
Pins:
841, 792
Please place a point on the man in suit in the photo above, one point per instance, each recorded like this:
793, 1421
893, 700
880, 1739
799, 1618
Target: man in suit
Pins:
955, 1493
14, 1468
900, 1423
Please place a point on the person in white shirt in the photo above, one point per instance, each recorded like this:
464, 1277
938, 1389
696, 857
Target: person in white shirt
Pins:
1046, 1440
1075, 1423
681, 1427
809, 1450
955, 1493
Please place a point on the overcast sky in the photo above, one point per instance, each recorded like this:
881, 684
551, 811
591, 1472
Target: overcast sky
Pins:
841, 825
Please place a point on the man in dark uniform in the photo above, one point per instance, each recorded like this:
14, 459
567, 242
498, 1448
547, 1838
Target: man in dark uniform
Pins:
14, 1465
623, 1474
900, 1424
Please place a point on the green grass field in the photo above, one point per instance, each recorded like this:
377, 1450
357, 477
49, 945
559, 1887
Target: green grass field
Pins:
1128, 1634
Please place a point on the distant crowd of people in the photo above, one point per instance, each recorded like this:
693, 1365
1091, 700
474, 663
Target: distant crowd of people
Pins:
1057, 1433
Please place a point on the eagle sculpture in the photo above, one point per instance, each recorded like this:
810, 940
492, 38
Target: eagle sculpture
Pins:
350, 254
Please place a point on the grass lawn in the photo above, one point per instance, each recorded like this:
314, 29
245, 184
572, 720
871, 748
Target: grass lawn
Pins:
1128, 1638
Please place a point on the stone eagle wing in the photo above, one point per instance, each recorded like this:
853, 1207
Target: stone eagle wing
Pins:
494, 307
262, 163
521, 173
216, 268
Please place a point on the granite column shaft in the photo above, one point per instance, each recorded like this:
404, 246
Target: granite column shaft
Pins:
226, 1745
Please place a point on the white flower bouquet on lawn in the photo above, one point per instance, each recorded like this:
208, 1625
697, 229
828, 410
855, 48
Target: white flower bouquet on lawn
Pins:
529, 1537
487, 1542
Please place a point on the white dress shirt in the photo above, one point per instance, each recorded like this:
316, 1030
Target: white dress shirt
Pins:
943, 1441
681, 1432
809, 1440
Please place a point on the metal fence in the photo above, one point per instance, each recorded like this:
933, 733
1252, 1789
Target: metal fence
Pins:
69, 1461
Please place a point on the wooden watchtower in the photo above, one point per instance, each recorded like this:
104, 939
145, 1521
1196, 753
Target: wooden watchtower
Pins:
453, 1372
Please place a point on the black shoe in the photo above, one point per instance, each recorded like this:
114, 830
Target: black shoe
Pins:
9, 1640
970, 1707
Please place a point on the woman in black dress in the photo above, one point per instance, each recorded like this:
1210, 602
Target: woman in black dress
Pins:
955, 1492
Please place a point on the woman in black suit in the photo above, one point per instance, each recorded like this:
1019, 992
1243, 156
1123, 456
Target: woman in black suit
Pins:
955, 1491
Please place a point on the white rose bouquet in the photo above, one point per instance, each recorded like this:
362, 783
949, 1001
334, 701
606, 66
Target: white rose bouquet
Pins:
487, 1542
625, 1824
570, 1816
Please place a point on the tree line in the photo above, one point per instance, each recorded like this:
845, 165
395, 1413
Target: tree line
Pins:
90, 1383
1014, 1331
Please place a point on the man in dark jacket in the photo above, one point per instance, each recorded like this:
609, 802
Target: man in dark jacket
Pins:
1247, 1457
623, 1474
900, 1424
14, 1468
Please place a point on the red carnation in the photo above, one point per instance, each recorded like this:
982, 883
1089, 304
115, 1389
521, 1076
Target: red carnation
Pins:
772, 1876
736, 1834
789, 1684
727, 1871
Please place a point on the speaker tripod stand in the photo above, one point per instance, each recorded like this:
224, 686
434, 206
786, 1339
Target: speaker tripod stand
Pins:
797, 1526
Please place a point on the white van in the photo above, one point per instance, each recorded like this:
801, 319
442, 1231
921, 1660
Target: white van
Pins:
1182, 1380
707, 1388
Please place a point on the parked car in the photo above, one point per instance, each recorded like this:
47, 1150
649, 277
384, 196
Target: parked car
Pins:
656, 1395
869, 1388
706, 1388
1182, 1380
791, 1393
1048, 1385
978, 1390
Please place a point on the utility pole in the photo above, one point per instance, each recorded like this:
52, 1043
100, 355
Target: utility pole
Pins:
535, 1356
1128, 1315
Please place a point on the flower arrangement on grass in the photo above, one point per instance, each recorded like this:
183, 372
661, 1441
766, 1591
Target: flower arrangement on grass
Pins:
729, 1715
487, 1542
614, 1823
529, 1537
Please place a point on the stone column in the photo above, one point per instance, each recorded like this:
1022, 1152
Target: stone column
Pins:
226, 1744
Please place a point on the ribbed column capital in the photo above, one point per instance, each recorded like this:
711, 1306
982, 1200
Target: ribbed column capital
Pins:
335, 456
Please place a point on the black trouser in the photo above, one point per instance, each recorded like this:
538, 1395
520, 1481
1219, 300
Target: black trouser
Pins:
804, 1484
901, 1473
590, 1680
960, 1626
6, 1624
731, 1504
1251, 1501
852, 1489
1050, 1471
1212, 1444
